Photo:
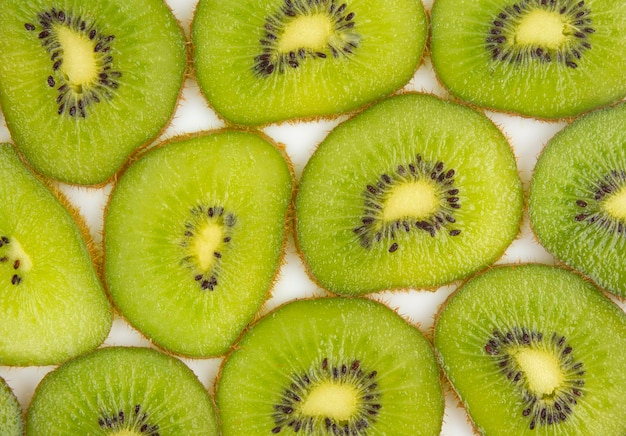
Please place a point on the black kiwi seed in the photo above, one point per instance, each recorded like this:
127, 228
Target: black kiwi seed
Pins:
539, 409
134, 419
590, 208
201, 215
70, 94
576, 16
271, 60
287, 409
372, 228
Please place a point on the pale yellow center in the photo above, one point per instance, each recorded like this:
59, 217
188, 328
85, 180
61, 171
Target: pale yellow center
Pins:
125, 432
307, 31
79, 61
17, 252
542, 370
541, 28
416, 199
206, 243
336, 401
615, 205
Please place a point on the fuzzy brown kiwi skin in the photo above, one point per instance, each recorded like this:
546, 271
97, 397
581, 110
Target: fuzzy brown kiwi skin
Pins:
289, 216
404, 289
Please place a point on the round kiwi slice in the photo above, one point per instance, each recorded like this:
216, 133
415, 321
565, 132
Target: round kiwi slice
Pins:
194, 235
52, 303
331, 367
413, 192
540, 58
535, 349
123, 392
82, 84
10, 413
578, 197
303, 58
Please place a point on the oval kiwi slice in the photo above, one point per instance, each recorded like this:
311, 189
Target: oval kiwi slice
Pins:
82, 84
122, 391
413, 192
535, 349
331, 366
52, 303
194, 233
10, 413
303, 58
578, 197
534, 57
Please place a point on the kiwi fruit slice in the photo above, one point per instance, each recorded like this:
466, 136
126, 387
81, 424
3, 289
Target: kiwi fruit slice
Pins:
578, 197
83, 84
52, 302
331, 366
122, 391
535, 349
540, 58
194, 235
10, 413
303, 58
413, 192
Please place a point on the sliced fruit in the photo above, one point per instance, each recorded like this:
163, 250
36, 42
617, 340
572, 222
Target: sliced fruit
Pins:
413, 192
301, 59
194, 234
124, 392
534, 57
83, 84
52, 303
10, 413
535, 349
331, 366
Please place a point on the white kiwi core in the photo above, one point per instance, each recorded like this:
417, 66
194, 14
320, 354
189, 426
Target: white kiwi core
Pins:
615, 205
205, 243
542, 370
307, 31
416, 199
332, 400
79, 61
541, 28
17, 252
126, 432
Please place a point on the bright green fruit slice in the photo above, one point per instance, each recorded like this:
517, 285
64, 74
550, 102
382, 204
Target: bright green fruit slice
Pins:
123, 392
413, 192
10, 412
331, 366
578, 197
82, 84
535, 350
194, 233
301, 58
547, 59
52, 303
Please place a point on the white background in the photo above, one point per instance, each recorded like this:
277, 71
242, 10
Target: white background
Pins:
527, 136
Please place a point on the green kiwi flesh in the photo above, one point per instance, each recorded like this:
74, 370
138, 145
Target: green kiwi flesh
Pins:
52, 303
82, 84
413, 192
535, 350
543, 58
331, 366
124, 392
302, 58
194, 235
578, 197
10, 413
